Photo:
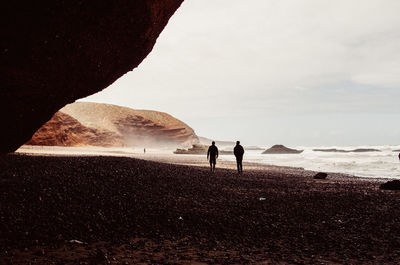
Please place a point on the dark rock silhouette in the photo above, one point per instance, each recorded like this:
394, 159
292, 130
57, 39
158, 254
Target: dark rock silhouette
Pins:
281, 149
54, 52
321, 175
391, 185
359, 150
96, 124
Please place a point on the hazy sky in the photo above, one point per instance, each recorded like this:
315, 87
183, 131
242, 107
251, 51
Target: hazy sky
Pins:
295, 72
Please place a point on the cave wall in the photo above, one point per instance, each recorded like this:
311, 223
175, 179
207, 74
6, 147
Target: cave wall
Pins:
54, 52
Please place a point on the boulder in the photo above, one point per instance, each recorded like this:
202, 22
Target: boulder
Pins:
390, 185
321, 175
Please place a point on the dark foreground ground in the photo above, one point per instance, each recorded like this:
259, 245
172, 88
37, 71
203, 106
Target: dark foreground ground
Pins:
110, 210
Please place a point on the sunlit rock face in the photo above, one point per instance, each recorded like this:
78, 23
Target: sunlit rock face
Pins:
64, 130
54, 52
96, 124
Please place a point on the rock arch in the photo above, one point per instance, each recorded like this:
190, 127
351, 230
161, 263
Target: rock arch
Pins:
54, 52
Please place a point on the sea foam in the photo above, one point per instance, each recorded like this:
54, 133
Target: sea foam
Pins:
384, 164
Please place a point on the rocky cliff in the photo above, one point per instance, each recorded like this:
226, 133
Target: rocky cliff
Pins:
53, 52
84, 123
63, 130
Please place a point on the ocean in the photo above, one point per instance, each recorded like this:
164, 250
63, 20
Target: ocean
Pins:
384, 164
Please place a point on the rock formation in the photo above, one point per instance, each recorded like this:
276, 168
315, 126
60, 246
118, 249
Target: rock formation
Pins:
281, 149
54, 52
200, 149
196, 149
321, 175
391, 185
63, 130
84, 123
359, 150
363, 150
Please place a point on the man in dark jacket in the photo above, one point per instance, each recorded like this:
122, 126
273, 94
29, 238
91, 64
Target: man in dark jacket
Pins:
239, 151
212, 155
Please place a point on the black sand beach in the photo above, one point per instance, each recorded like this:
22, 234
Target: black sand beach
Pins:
114, 210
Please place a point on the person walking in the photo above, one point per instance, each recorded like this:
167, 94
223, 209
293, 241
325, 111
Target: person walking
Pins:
212, 155
238, 151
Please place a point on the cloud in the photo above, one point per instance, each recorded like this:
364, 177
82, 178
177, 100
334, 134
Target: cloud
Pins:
260, 58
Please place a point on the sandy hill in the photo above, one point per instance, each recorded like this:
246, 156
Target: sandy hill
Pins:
97, 124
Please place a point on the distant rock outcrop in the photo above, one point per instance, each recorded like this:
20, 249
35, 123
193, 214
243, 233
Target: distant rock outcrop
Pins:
396, 150
196, 149
391, 185
281, 149
199, 149
362, 150
96, 124
359, 150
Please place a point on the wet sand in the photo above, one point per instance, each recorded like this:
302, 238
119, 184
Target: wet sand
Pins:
119, 210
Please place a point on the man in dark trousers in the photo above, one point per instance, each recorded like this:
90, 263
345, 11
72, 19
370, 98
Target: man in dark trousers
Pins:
239, 151
212, 154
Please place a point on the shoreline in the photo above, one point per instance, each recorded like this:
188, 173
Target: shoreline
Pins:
200, 161
120, 210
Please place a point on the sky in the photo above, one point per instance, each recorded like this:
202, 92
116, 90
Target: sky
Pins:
292, 72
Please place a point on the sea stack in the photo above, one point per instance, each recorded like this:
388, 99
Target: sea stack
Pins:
281, 149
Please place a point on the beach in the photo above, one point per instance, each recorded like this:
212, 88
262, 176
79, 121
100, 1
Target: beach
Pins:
60, 209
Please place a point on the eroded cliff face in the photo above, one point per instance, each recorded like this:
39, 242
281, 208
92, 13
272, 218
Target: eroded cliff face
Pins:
96, 124
63, 130
54, 52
